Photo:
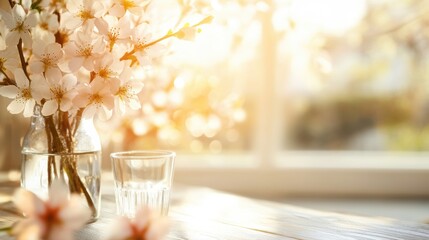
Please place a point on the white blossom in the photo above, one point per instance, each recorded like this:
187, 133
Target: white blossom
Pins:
126, 90
9, 59
83, 50
21, 95
47, 26
26, 4
120, 7
53, 219
45, 59
114, 30
83, 12
96, 98
146, 225
141, 38
57, 91
107, 67
19, 24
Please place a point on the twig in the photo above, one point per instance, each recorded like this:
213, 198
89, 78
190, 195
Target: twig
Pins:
49, 139
78, 119
75, 183
21, 57
87, 196
7, 80
129, 55
58, 146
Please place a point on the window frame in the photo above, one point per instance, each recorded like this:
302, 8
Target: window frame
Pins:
268, 171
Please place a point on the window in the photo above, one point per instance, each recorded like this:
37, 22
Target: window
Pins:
292, 96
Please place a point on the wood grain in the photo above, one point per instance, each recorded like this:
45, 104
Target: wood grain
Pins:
200, 213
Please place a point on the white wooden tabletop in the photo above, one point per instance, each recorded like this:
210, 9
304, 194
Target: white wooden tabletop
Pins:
200, 213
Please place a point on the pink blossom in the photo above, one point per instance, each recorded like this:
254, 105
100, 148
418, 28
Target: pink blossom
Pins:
53, 219
146, 226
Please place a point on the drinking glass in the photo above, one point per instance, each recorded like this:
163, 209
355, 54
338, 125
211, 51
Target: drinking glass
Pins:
142, 178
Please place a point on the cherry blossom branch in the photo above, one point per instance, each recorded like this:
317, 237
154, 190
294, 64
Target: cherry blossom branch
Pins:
50, 157
21, 57
130, 55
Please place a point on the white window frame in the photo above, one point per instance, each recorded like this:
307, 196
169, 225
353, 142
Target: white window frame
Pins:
345, 174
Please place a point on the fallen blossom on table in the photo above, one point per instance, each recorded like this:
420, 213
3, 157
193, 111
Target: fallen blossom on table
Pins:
145, 226
53, 219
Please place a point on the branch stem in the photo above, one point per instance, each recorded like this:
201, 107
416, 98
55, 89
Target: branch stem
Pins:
129, 55
8, 81
21, 57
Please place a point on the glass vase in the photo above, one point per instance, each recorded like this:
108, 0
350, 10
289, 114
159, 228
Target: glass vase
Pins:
64, 146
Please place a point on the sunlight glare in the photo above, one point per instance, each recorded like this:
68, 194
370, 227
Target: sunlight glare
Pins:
332, 16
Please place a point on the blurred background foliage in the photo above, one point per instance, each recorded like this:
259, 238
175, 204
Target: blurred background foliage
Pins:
340, 75
348, 75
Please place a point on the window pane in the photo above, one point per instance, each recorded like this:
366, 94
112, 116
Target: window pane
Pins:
354, 74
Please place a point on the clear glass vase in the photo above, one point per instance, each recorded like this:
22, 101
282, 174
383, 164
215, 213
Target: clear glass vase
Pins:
64, 146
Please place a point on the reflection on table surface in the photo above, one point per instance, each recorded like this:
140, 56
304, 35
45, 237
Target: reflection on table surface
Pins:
202, 213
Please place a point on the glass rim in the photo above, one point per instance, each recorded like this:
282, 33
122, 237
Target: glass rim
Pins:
143, 154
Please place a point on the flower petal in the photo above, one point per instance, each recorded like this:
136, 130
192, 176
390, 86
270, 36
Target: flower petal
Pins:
117, 10
120, 229
40, 88
12, 38
60, 232
55, 51
12, 63
104, 113
82, 99
26, 39
29, 107
142, 217
76, 63
18, 12
89, 111
76, 213
36, 67
28, 229
28, 202
66, 104
31, 19
7, 18
58, 192
53, 75
158, 229
108, 101
20, 78
73, 5
49, 108
26, 4
16, 106
69, 81
9, 91
102, 26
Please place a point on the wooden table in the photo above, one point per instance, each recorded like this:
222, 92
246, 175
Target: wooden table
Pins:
201, 213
